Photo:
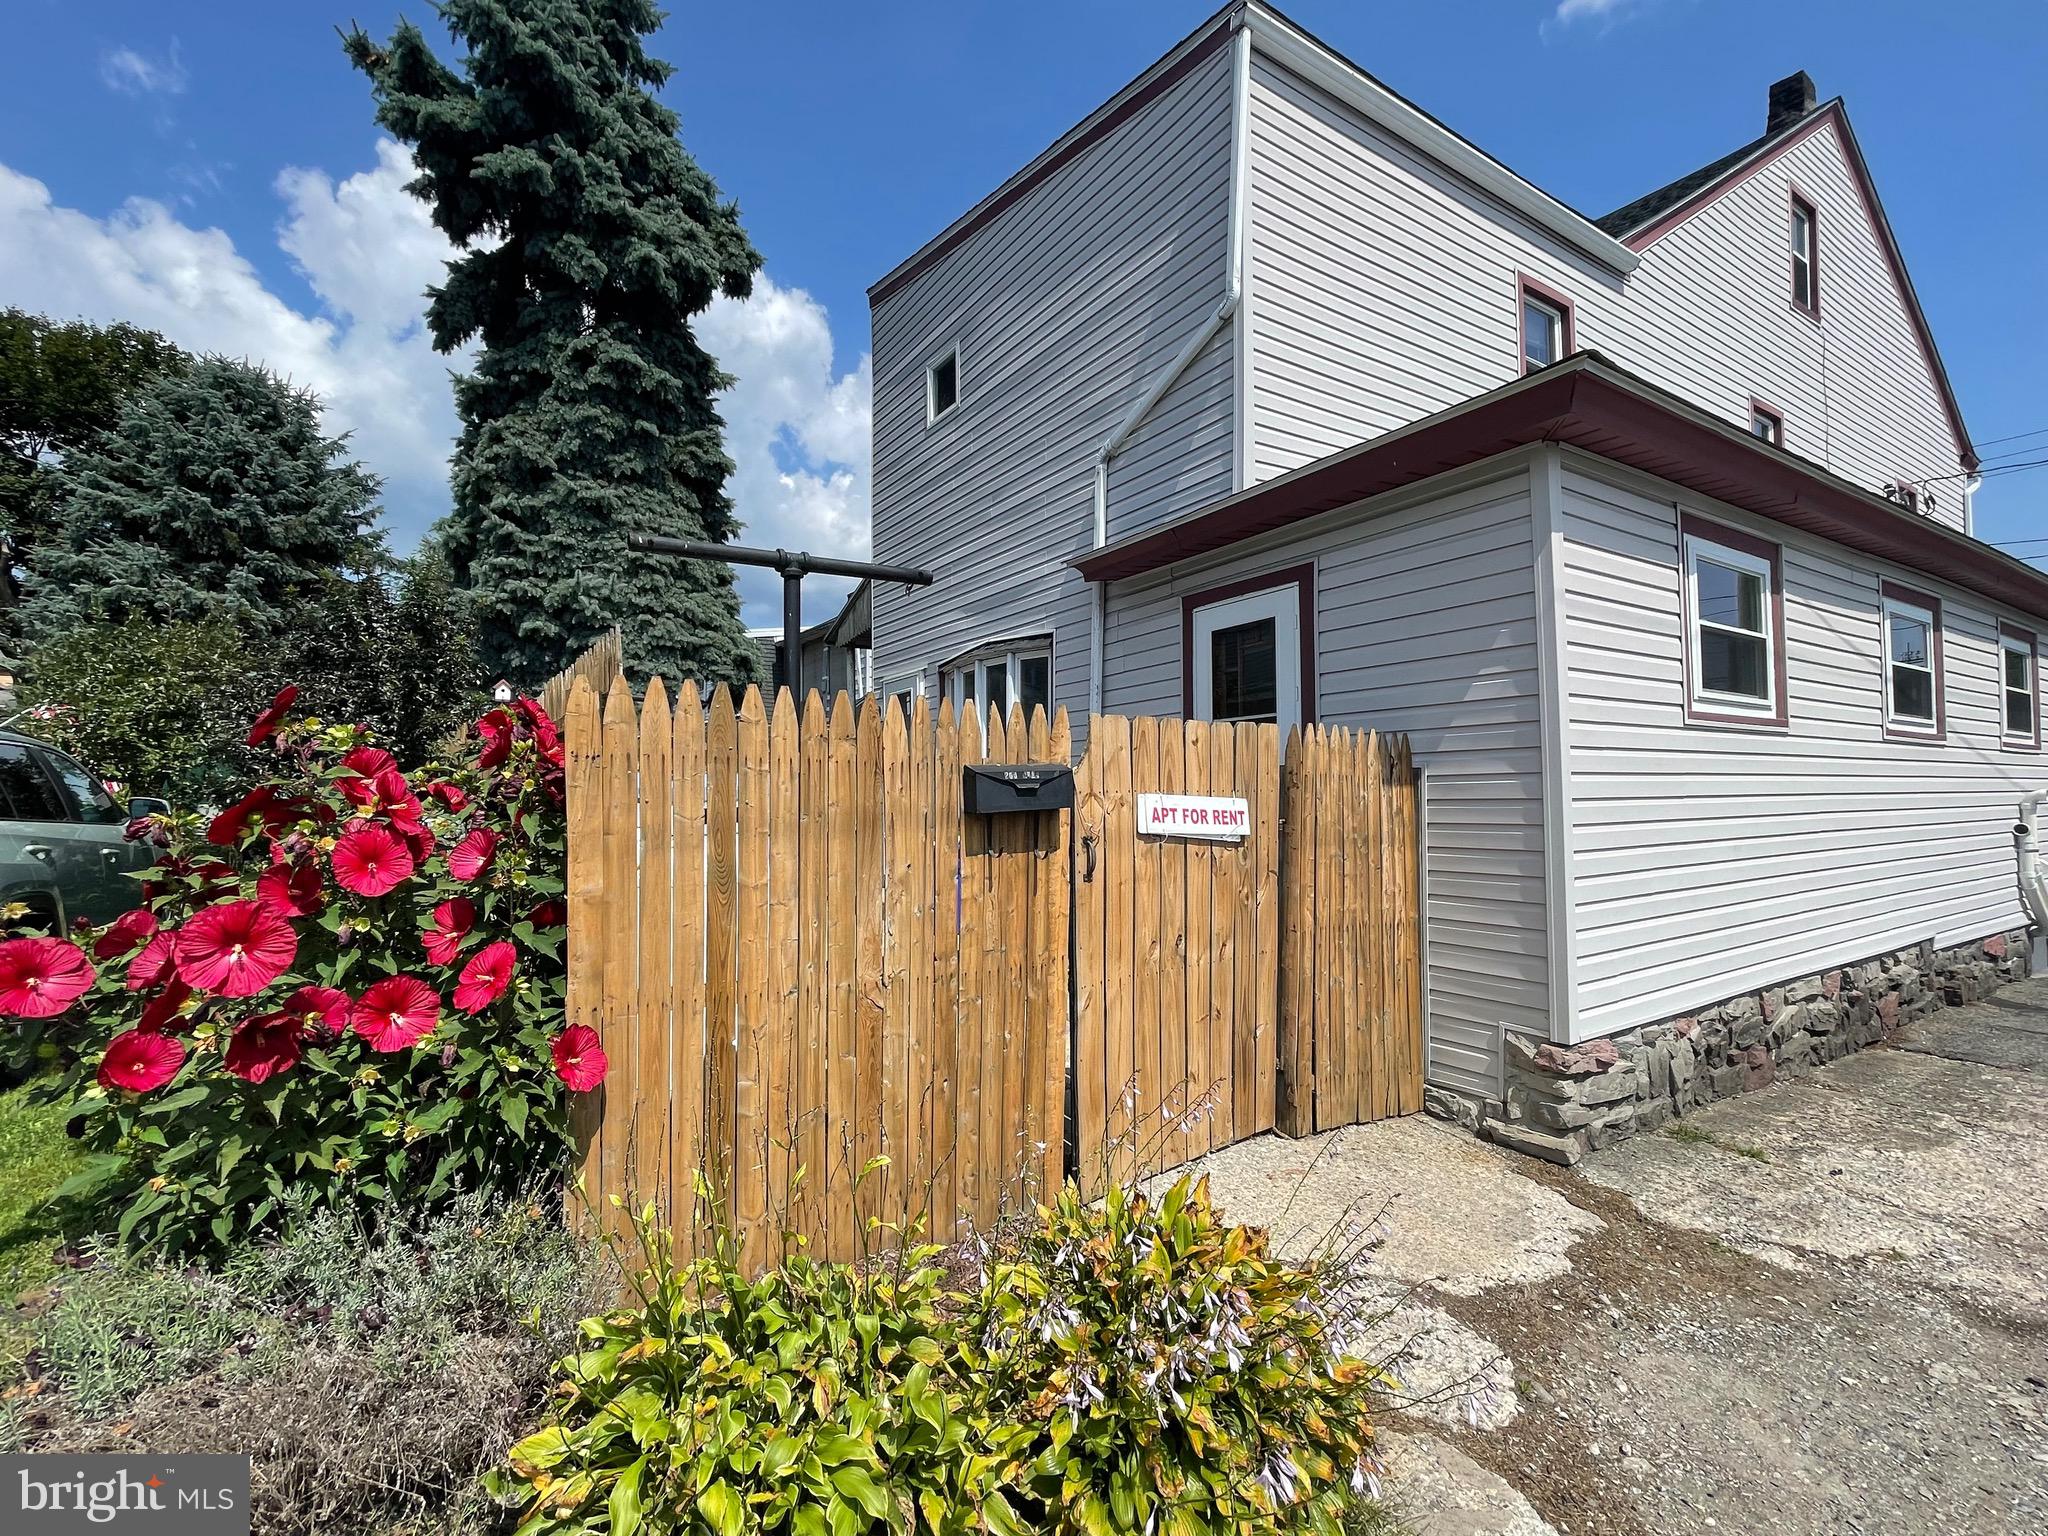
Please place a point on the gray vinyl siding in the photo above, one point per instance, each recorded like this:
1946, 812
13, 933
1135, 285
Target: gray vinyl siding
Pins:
1711, 860
1384, 289
1064, 308
1425, 623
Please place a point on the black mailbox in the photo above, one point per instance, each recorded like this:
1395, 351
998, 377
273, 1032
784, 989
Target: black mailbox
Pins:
991, 789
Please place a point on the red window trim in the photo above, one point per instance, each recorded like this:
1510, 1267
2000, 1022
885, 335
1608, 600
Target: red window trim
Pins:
2032, 642
1691, 525
1526, 287
1761, 407
1797, 200
1303, 579
1899, 592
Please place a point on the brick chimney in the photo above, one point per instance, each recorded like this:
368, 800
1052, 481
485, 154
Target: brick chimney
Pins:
1791, 99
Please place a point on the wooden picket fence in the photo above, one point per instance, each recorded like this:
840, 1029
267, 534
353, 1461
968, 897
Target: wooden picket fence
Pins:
1176, 949
603, 661
821, 985
1350, 1043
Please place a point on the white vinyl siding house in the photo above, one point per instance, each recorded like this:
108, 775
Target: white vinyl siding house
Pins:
1097, 272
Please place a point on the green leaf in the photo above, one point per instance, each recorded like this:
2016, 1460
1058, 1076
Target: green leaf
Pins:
1001, 1519
624, 1503
722, 1509
855, 1484
835, 1446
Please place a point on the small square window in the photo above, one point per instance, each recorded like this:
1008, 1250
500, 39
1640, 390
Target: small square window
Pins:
1767, 425
941, 386
1542, 333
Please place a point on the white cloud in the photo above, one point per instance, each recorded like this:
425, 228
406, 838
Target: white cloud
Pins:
1569, 11
798, 435
133, 73
797, 430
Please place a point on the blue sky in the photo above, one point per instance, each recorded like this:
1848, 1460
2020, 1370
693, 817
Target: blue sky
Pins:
271, 222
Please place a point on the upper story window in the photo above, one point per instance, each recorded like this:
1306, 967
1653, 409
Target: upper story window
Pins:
1805, 234
1912, 662
1766, 424
1546, 325
2019, 690
1247, 650
1734, 617
942, 386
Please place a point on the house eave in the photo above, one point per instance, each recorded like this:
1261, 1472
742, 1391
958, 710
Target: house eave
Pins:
1585, 402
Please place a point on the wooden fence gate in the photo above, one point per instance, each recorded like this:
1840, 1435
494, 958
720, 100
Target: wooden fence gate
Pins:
845, 1001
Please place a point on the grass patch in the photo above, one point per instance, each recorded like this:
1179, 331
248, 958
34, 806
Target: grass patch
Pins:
1687, 1134
35, 1157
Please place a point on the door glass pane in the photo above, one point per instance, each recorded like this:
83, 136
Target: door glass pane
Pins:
1912, 693
25, 790
1731, 597
1244, 681
90, 802
1034, 683
995, 679
1734, 664
1909, 642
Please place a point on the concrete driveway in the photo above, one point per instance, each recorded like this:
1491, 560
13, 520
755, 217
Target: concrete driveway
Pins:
1822, 1307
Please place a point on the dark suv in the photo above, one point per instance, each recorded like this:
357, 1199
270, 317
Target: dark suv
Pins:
61, 845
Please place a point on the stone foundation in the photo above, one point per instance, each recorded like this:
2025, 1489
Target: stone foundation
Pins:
1564, 1100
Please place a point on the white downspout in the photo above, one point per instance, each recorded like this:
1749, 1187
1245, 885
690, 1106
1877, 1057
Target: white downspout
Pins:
1233, 290
2027, 848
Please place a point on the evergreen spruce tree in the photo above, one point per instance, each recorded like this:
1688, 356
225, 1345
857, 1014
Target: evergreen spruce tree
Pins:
590, 239
213, 494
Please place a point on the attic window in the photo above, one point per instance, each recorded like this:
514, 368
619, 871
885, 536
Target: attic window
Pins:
941, 386
1766, 424
1805, 238
1546, 325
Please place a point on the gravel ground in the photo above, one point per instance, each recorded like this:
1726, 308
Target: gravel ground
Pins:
1818, 1308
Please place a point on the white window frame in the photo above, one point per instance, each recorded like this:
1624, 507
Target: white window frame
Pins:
932, 414
1911, 725
1554, 314
1281, 604
1010, 656
1765, 709
910, 682
2013, 645
1776, 423
1805, 253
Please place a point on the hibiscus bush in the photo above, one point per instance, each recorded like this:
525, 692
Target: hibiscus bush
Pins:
347, 983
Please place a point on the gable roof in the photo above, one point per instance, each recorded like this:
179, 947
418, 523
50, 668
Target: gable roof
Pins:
1649, 218
1586, 402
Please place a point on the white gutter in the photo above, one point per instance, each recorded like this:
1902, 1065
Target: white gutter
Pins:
2027, 848
1226, 307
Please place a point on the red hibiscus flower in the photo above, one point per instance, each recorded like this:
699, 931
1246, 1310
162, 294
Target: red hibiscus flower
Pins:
264, 1047
579, 1058
293, 888
236, 949
550, 913
452, 922
125, 934
321, 1008
450, 795
472, 856
496, 731
167, 1009
384, 794
547, 740
152, 967
485, 978
263, 805
371, 860
150, 827
396, 1012
140, 1060
367, 762
420, 839
265, 725
41, 977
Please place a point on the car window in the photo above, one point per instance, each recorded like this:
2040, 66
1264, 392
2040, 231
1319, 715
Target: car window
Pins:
26, 793
88, 797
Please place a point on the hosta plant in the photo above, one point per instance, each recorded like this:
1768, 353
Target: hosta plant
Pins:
1181, 1378
820, 1400
348, 983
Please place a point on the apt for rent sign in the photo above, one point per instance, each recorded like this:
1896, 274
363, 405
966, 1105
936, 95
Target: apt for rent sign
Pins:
1218, 818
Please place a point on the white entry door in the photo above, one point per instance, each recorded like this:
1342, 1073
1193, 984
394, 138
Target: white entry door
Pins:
1247, 658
